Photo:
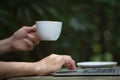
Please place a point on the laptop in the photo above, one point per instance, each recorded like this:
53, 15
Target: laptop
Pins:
115, 71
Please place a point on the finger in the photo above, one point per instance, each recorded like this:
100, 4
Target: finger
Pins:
73, 65
29, 44
34, 27
33, 38
30, 29
70, 63
67, 65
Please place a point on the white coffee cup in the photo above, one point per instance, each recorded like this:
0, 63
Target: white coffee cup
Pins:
48, 30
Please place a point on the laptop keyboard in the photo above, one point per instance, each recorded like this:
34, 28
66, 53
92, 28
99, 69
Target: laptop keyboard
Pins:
100, 70
90, 71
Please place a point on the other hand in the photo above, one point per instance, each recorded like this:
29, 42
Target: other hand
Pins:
54, 63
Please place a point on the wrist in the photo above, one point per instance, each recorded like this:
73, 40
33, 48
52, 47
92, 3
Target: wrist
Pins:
39, 68
42, 69
10, 41
30, 68
5, 45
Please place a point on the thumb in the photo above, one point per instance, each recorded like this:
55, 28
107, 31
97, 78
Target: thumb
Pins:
31, 29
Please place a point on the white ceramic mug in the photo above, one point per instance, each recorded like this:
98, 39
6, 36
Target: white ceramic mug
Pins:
48, 30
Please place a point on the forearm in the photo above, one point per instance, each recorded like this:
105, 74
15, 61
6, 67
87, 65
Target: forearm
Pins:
5, 45
12, 69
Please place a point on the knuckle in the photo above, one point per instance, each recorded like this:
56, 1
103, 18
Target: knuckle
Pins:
53, 54
69, 57
24, 27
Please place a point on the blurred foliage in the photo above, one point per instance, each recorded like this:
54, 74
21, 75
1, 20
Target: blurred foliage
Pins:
90, 27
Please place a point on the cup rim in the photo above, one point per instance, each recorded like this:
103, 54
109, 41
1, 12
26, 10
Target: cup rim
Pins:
50, 21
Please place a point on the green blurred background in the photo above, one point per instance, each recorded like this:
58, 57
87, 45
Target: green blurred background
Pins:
91, 28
